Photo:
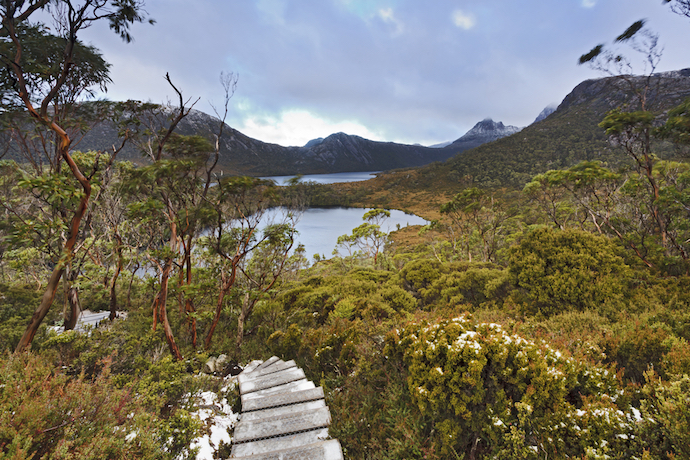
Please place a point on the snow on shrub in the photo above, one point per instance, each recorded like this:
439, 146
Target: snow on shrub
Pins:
497, 395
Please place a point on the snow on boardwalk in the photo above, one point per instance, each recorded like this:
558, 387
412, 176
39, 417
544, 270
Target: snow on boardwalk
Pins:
284, 416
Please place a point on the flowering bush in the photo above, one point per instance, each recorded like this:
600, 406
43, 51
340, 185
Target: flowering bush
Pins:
497, 395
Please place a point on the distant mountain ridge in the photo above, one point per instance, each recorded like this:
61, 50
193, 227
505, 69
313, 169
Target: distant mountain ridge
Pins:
339, 152
548, 110
565, 137
485, 131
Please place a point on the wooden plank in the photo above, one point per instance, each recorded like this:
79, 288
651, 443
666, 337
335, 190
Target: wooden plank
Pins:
282, 399
282, 410
271, 380
297, 385
276, 444
250, 367
273, 368
267, 363
324, 450
281, 425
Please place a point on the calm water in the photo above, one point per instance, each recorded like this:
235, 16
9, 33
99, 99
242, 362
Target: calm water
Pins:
319, 228
327, 178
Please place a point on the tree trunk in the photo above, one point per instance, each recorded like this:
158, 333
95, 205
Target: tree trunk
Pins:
42, 310
72, 300
163, 294
68, 250
113, 280
167, 330
244, 313
226, 284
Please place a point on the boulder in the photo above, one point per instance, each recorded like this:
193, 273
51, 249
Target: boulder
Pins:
210, 365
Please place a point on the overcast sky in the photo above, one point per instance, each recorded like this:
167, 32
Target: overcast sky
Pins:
411, 71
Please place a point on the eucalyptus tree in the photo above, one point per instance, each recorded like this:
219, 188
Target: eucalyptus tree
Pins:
42, 97
174, 190
656, 187
264, 268
477, 215
167, 191
238, 205
368, 236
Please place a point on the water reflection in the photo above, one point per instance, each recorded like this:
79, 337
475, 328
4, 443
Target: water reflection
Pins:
327, 178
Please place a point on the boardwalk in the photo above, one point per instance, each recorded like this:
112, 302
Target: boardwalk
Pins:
284, 416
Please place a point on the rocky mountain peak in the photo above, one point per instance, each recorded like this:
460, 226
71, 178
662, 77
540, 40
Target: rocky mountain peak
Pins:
488, 130
313, 142
548, 110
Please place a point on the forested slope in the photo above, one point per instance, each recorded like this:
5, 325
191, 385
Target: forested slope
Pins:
569, 135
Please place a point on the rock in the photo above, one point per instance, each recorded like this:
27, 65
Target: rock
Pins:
221, 366
231, 369
210, 365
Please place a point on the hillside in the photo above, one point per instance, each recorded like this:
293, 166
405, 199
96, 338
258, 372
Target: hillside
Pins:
339, 152
566, 137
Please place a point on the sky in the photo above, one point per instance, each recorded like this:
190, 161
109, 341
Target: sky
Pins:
408, 71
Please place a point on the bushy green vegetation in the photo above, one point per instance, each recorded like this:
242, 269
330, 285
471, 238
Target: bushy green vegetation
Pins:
568, 346
428, 380
550, 321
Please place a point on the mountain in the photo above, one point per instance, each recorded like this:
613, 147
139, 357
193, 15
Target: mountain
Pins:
485, 131
548, 110
339, 152
313, 142
569, 135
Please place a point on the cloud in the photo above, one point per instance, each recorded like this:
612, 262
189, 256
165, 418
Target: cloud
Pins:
297, 127
589, 3
273, 10
387, 15
463, 20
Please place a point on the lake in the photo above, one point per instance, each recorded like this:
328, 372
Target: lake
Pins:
327, 178
319, 228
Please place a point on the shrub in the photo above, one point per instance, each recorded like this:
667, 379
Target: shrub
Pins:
664, 428
556, 271
495, 394
46, 414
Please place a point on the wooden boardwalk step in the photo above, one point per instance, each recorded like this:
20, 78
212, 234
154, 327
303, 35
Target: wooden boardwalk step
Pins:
281, 425
281, 399
274, 446
324, 450
297, 385
284, 416
272, 369
265, 382
283, 410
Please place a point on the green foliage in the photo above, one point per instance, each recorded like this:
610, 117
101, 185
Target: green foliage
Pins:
479, 223
375, 417
677, 126
45, 414
418, 275
368, 237
618, 122
17, 304
556, 271
664, 426
476, 285
42, 59
495, 394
